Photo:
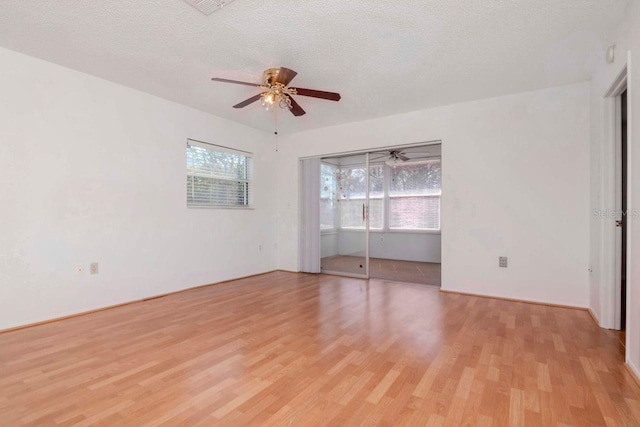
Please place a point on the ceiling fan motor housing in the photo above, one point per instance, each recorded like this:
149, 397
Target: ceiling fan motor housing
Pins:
270, 76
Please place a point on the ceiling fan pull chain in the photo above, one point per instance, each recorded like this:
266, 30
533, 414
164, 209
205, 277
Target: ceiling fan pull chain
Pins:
275, 110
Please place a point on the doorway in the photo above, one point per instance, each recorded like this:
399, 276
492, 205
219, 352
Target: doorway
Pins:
614, 205
380, 214
623, 209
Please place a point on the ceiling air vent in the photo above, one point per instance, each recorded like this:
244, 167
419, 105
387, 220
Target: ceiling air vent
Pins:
208, 6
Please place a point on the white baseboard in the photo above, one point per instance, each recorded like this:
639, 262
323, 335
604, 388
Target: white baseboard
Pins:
634, 371
516, 299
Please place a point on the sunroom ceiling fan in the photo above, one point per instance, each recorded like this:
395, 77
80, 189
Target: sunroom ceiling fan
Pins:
397, 156
276, 91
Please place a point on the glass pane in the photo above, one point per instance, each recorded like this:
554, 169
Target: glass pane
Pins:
218, 164
352, 183
352, 192
351, 213
327, 181
344, 251
217, 178
414, 196
327, 214
413, 179
376, 217
376, 182
414, 213
328, 204
204, 191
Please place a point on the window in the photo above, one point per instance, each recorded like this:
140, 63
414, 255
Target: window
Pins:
402, 197
327, 197
414, 196
218, 176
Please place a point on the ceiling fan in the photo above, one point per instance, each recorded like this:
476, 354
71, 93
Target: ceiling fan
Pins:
277, 93
396, 156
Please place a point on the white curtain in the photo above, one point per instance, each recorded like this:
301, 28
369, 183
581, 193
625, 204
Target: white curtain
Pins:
310, 216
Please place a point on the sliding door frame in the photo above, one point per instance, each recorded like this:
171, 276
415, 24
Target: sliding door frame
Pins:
367, 152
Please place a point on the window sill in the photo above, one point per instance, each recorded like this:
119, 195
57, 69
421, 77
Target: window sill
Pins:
415, 231
362, 230
328, 232
241, 208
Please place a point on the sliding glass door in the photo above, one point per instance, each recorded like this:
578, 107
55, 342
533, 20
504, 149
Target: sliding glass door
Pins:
380, 214
345, 215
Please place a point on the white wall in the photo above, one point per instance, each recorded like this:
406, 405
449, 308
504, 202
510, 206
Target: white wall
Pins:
93, 171
515, 183
421, 247
627, 40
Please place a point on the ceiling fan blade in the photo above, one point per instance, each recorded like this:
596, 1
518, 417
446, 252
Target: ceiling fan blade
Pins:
296, 109
285, 75
403, 157
248, 101
331, 96
378, 158
216, 79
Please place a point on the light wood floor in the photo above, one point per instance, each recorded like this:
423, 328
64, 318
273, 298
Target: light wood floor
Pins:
427, 273
287, 349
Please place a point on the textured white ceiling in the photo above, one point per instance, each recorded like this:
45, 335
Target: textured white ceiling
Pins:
383, 57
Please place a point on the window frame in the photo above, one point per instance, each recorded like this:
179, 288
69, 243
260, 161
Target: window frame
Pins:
248, 180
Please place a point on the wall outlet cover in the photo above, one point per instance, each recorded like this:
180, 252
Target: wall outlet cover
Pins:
502, 262
94, 268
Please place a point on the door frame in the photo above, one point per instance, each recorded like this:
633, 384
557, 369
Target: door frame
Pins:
611, 257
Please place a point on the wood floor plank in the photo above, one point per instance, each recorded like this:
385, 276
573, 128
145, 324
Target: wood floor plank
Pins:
297, 349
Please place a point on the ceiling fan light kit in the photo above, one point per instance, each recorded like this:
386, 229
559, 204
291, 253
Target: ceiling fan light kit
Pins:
277, 95
276, 92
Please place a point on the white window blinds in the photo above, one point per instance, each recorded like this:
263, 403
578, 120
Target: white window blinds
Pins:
218, 176
414, 196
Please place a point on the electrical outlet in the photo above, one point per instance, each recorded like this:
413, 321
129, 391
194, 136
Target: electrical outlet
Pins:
93, 269
502, 262
79, 270
382, 238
